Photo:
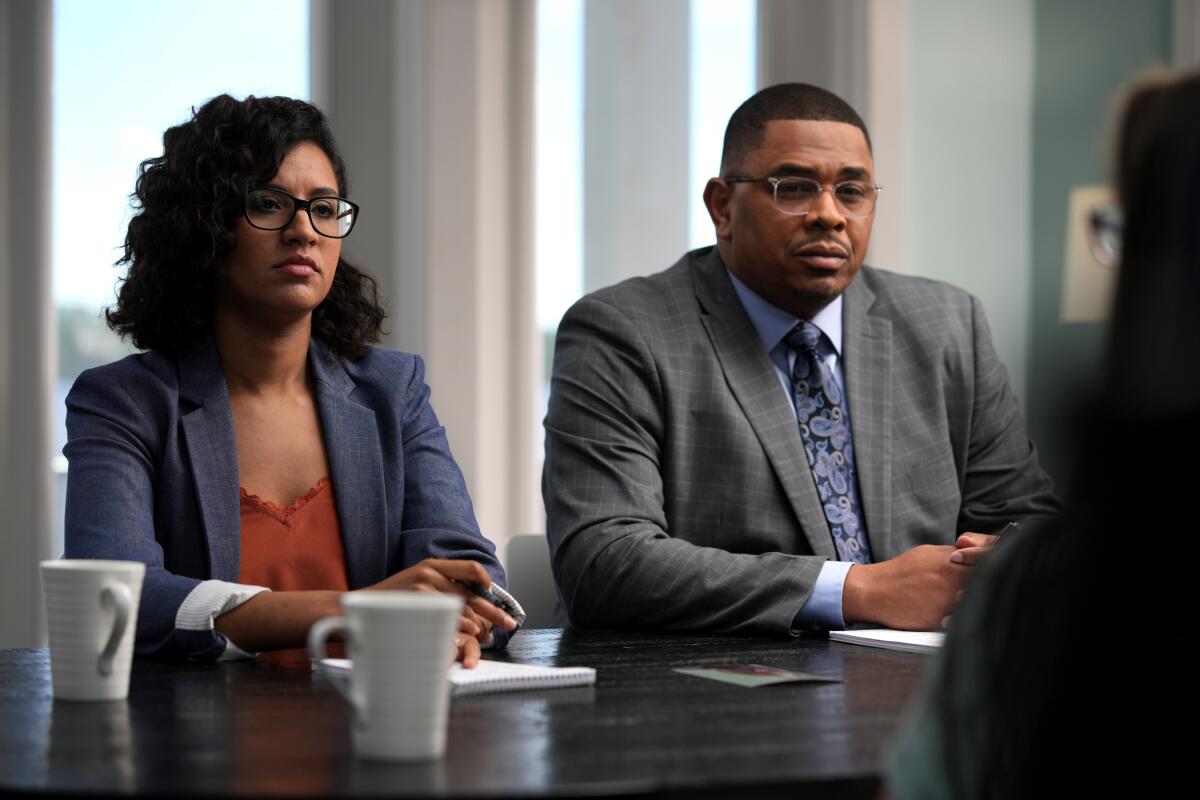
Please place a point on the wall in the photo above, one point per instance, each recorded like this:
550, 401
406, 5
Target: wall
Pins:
635, 221
1085, 51
1009, 107
27, 335
968, 159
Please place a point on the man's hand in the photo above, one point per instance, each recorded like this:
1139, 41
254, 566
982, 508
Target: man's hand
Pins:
914, 591
970, 548
447, 576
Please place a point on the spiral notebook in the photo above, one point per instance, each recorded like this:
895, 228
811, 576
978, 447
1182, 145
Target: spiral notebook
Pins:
496, 676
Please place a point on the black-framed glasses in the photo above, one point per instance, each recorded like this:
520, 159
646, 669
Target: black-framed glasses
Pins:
274, 210
1107, 225
796, 196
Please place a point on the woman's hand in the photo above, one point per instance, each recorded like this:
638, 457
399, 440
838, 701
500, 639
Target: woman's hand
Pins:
448, 576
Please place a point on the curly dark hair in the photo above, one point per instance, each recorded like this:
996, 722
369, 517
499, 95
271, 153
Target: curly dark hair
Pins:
187, 202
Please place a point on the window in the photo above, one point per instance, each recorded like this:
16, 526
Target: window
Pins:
722, 76
123, 73
558, 169
721, 70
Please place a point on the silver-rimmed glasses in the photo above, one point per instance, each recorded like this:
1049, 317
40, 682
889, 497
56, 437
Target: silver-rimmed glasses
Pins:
274, 209
796, 196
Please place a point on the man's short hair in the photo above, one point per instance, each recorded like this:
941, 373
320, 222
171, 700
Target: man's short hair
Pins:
747, 127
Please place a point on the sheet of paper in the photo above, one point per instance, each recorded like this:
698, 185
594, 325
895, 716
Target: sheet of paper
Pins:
907, 641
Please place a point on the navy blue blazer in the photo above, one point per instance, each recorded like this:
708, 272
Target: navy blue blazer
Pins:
154, 478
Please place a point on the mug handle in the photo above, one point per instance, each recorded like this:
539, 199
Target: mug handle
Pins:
117, 595
318, 637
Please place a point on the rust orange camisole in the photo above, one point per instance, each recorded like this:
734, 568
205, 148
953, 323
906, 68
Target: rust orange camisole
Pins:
294, 548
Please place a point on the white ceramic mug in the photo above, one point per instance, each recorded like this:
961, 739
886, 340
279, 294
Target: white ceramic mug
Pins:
91, 613
401, 645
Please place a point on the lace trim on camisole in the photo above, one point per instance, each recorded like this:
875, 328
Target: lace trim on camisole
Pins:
282, 514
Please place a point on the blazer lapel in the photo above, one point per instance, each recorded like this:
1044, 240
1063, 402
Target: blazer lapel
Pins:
212, 451
356, 466
867, 367
755, 385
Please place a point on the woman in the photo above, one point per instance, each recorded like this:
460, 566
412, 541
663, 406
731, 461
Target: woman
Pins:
1067, 654
258, 373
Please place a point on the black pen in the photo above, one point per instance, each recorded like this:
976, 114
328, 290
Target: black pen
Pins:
1011, 527
497, 597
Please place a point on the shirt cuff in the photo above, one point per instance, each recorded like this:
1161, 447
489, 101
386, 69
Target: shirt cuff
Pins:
209, 600
823, 609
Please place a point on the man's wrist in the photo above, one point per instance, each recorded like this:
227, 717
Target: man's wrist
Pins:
857, 594
823, 608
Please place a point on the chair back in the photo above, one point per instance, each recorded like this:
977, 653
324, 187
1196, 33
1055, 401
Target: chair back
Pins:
530, 579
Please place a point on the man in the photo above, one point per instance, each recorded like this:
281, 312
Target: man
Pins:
769, 436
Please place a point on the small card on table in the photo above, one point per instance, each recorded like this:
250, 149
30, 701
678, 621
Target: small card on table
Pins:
752, 675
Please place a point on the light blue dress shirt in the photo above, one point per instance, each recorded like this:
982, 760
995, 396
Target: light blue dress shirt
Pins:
824, 605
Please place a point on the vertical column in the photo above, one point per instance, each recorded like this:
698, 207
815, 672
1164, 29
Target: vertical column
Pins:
433, 104
635, 138
886, 113
369, 75
480, 284
27, 333
817, 42
856, 49
526, 512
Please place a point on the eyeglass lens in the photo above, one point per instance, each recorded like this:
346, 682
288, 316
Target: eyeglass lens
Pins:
273, 210
799, 195
1107, 235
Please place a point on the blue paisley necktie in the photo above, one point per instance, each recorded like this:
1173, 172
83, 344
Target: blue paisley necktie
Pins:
825, 429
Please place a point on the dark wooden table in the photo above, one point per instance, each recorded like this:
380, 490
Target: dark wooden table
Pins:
273, 727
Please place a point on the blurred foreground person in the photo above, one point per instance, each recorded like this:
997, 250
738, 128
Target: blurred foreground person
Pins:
1069, 644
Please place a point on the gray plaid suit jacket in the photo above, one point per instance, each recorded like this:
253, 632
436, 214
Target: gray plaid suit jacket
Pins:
677, 491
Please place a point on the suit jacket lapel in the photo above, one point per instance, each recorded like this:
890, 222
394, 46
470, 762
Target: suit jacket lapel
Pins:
356, 466
755, 385
212, 451
867, 367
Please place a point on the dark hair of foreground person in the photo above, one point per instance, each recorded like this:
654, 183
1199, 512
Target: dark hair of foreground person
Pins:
1068, 648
